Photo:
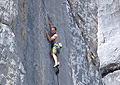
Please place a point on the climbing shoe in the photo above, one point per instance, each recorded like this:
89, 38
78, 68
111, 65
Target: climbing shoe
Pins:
55, 65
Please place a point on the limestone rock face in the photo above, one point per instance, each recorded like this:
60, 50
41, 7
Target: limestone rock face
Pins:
109, 39
112, 78
25, 51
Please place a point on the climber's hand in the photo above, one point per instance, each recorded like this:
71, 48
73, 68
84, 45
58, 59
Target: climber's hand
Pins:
49, 23
46, 32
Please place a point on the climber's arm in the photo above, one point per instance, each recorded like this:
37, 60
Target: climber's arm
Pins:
50, 25
50, 38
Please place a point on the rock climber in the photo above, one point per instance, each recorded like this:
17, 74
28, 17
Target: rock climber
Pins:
55, 43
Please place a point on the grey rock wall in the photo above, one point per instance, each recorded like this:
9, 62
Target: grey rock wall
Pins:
25, 51
83, 22
109, 40
11, 68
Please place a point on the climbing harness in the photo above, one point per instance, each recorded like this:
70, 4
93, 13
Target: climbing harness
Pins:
57, 49
60, 45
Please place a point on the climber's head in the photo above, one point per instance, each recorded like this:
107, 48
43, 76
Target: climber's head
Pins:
54, 29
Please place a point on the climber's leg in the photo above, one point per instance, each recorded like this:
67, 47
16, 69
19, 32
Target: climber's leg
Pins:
58, 58
54, 57
53, 53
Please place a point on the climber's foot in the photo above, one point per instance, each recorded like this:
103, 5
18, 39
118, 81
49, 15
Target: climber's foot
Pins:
55, 65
